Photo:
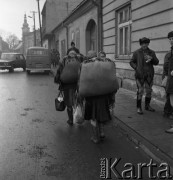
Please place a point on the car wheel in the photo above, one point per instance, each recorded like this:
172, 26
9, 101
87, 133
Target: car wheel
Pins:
28, 71
11, 69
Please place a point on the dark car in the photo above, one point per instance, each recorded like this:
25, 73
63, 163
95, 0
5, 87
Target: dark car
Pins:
11, 61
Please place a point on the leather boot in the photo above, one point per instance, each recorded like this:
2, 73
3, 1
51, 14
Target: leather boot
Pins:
147, 105
96, 135
101, 130
139, 108
70, 115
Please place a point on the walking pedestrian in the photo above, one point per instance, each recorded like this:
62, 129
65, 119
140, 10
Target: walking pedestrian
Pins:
168, 72
97, 106
102, 55
168, 108
142, 62
67, 76
73, 48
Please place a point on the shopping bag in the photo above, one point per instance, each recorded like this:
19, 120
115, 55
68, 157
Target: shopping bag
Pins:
78, 116
59, 102
164, 81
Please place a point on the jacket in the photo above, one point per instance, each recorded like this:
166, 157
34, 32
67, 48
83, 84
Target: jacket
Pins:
167, 68
138, 63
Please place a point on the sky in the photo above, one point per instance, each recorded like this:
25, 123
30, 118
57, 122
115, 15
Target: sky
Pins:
12, 16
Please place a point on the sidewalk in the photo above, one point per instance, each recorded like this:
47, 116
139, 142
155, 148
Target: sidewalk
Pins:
147, 130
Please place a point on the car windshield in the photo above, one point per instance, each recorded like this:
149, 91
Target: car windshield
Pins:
7, 57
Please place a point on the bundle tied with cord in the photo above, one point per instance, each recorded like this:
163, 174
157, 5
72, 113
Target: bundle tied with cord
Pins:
97, 78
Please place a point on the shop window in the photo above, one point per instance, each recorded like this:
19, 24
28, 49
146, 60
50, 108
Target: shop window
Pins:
124, 31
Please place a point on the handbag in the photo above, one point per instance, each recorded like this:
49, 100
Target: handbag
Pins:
59, 102
164, 81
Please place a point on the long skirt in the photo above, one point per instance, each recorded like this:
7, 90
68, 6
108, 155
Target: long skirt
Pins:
97, 108
69, 96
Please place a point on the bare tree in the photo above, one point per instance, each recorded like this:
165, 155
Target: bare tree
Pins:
12, 41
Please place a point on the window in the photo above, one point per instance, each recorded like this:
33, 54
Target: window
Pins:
78, 39
72, 36
63, 49
124, 31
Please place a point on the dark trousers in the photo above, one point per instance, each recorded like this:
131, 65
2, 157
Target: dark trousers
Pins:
168, 108
141, 85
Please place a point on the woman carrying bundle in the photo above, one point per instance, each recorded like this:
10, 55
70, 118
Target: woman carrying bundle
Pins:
66, 77
97, 96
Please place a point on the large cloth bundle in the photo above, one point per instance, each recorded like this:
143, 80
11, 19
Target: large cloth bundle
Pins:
98, 78
70, 71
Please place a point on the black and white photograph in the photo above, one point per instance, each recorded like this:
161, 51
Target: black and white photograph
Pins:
86, 89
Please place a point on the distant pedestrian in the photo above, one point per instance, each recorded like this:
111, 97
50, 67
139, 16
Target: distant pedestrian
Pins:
54, 57
168, 71
142, 62
73, 48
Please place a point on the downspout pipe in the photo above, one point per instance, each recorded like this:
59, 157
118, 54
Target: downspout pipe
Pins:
99, 5
67, 37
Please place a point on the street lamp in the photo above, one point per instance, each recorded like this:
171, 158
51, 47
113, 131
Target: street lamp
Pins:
34, 26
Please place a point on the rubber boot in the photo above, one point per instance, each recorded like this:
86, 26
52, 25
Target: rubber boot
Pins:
139, 108
70, 115
147, 105
96, 135
101, 130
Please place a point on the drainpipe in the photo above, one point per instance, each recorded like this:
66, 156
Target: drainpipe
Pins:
98, 4
66, 35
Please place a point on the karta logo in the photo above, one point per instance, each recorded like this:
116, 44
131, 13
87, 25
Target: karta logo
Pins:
110, 169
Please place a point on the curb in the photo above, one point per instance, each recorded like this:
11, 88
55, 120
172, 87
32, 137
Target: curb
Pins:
149, 148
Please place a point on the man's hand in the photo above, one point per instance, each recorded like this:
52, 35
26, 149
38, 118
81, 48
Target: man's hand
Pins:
148, 59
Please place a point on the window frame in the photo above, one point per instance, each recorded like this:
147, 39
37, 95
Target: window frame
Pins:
123, 24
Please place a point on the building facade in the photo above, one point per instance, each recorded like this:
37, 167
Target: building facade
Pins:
115, 26
53, 12
124, 22
81, 27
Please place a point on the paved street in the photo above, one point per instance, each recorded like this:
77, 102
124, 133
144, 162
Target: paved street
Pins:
37, 144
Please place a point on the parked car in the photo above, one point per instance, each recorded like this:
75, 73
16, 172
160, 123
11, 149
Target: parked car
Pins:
11, 61
38, 59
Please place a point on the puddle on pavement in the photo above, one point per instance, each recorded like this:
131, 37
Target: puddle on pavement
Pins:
43, 84
20, 149
11, 99
55, 169
24, 114
28, 109
37, 120
38, 152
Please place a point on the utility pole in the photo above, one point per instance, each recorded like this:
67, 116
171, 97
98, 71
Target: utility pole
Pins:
34, 26
40, 23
